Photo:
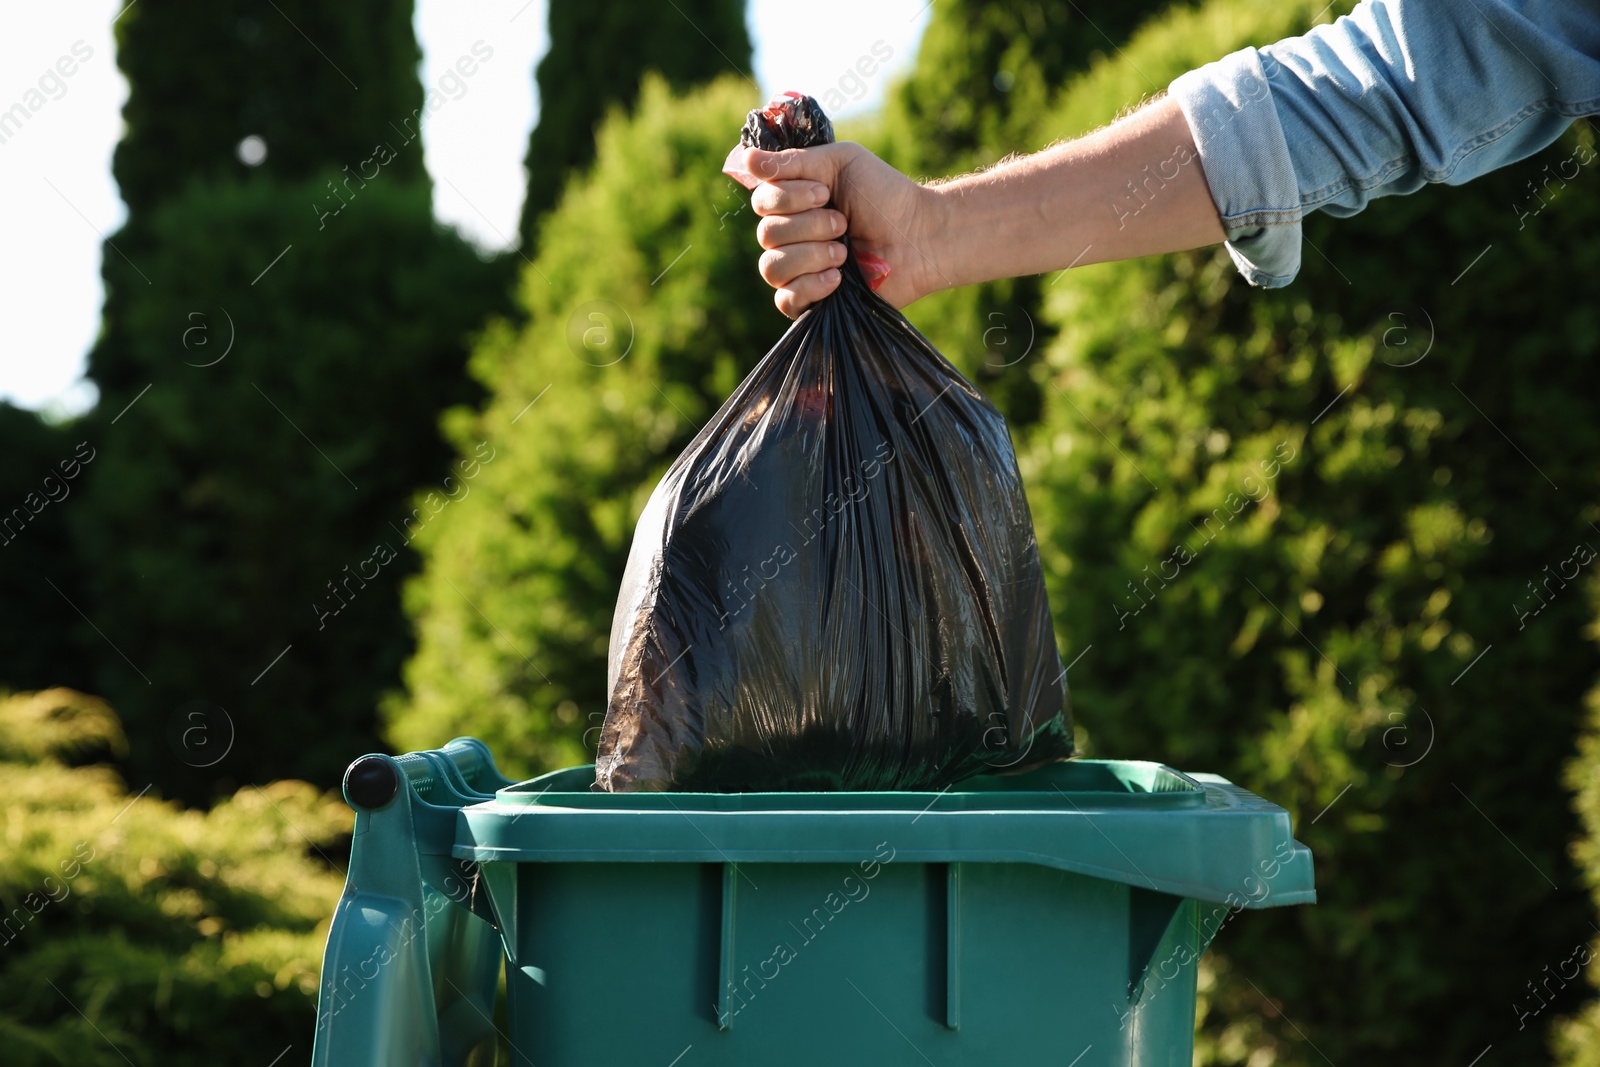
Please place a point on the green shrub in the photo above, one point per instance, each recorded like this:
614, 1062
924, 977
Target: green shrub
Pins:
1577, 1038
132, 930
1336, 630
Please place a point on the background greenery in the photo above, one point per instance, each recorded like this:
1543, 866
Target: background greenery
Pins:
606, 49
1364, 473
185, 936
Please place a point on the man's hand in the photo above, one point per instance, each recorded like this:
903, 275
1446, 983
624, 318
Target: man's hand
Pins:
885, 213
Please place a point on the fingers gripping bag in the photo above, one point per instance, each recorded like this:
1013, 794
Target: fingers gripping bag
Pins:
837, 586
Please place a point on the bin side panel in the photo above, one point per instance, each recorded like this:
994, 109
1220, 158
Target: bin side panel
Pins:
615, 961
829, 965
853, 954
1043, 962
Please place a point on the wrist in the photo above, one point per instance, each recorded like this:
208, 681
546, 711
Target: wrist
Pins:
935, 263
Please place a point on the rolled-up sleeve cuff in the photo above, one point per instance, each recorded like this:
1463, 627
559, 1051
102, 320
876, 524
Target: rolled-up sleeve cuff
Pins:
1230, 111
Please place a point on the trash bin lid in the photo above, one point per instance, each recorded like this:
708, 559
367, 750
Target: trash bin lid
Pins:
1128, 821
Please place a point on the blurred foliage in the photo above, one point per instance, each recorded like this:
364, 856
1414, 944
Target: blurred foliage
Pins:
1577, 1038
643, 312
278, 344
238, 504
39, 480
132, 930
1282, 527
202, 77
988, 73
598, 57
985, 86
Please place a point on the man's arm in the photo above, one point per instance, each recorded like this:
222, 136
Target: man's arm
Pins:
1131, 189
1395, 95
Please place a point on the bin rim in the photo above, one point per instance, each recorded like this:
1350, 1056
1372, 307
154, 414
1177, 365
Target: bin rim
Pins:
1091, 783
1193, 835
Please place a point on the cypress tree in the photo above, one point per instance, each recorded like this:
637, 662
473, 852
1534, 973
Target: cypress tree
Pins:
317, 83
279, 344
597, 58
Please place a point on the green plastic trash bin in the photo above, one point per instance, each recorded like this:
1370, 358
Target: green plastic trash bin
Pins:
1055, 916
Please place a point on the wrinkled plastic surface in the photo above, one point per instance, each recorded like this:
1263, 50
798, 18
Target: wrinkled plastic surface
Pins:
836, 586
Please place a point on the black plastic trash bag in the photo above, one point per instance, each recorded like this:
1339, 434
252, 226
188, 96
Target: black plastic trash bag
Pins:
836, 586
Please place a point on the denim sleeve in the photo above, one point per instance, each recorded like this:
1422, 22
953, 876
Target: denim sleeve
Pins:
1396, 94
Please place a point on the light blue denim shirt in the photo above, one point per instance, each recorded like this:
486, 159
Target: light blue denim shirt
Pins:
1396, 94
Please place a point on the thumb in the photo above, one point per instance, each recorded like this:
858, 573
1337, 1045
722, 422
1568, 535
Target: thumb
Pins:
820, 163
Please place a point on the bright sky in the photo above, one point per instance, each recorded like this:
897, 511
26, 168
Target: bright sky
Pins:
60, 201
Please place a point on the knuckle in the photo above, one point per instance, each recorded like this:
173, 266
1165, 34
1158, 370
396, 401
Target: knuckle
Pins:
772, 268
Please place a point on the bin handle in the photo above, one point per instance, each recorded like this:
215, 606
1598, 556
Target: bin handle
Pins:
471, 758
